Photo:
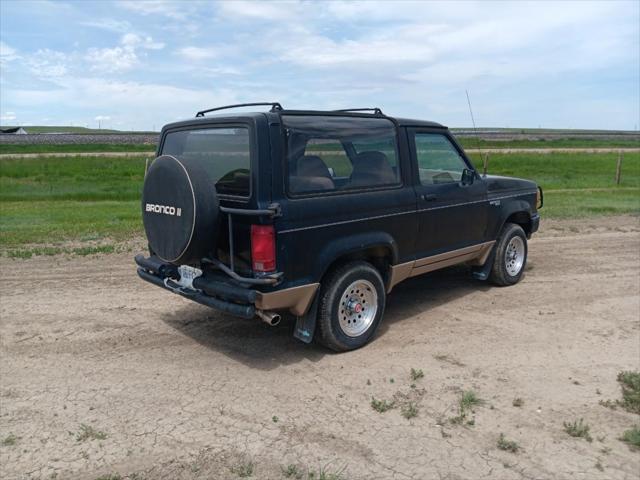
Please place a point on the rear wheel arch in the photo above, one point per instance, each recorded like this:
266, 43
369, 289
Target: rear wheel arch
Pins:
378, 249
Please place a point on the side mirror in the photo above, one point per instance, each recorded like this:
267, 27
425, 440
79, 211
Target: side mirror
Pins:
468, 176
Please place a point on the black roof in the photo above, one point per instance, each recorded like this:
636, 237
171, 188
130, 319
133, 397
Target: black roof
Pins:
375, 113
410, 122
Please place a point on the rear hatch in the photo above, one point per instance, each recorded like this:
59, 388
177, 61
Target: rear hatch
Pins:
226, 153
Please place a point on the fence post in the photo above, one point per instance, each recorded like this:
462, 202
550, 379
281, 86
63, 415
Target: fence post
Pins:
619, 167
485, 164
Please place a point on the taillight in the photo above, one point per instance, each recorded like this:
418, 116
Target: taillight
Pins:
263, 248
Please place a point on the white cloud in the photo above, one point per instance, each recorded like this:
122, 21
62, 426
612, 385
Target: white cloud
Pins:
46, 63
260, 10
123, 57
196, 54
174, 10
109, 24
111, 60
143, 104
134, 40
7, 53
8, 116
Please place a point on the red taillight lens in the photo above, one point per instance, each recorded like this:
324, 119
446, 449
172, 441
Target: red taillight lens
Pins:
263, 248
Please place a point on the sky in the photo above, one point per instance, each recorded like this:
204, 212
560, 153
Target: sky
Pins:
141, 64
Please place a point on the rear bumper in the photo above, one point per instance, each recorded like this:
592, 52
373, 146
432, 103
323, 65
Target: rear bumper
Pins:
215, 290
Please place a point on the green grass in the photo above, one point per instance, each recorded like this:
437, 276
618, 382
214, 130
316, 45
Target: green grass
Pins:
507, 445
381, 406
566, 170
578, 203
77, 148
87, 432
70, 129
578, 429
50, 200
9, 441
570, 142
244, 468
50, 222
632, 436
630, 384
409, 410
576, 184
468, 400
71, 178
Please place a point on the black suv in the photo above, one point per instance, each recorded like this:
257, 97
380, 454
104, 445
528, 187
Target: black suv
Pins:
322, 214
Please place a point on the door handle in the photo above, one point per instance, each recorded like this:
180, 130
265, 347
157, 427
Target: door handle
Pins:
429, 197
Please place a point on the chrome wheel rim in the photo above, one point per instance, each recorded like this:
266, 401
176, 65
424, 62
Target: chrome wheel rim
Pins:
358, 308
514, 258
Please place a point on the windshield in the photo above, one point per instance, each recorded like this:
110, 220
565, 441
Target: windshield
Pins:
224, 153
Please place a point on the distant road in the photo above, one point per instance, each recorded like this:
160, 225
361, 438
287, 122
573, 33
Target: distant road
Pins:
552, 149
468, 150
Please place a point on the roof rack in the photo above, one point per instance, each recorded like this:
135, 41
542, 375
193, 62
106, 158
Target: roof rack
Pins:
275, 107
375, 110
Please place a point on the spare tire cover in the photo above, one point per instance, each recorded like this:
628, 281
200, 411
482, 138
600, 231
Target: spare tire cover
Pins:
179, 210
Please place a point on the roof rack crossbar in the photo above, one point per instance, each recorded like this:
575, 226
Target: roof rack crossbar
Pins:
375, 110
275, 107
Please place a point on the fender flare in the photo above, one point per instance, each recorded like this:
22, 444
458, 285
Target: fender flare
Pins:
514, 206
353, 244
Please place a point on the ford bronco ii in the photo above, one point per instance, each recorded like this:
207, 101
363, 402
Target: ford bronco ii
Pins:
322, 214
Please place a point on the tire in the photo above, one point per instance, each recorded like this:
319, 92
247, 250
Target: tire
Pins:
179, 211
346, 320
511, 256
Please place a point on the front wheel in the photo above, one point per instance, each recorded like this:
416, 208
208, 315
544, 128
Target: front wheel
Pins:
352, 301
511, 256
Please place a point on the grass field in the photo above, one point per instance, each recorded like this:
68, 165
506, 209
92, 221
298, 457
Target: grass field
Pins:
68, 129
77, 148
472, 142
466, 141
82, 199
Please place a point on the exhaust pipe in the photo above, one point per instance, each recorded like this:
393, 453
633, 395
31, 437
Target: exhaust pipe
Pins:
270, 318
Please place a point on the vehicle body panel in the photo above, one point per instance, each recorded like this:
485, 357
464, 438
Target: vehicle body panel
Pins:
405, 229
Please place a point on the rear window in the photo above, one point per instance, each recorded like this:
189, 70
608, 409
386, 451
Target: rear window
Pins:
335, 153
224, 153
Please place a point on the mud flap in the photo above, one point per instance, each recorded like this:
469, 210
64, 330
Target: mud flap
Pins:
482, 273
306, 324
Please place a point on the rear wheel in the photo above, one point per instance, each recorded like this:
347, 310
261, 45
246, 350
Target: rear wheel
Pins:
352, 301
511, 256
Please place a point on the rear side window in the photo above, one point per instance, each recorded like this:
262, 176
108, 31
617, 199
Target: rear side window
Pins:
224, 153
333, 153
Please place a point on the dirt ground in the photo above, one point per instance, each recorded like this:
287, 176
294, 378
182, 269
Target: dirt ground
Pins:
173, 390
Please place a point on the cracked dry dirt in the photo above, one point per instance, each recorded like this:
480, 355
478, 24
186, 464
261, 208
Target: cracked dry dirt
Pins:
183, 392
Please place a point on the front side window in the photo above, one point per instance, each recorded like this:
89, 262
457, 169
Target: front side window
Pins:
335, 153
438, 160
224, 153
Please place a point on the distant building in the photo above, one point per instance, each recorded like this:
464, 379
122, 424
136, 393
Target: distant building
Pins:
14, 131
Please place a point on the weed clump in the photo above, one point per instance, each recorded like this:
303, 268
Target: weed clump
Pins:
87, 432
632, 436
381, 406
578, 429
630, 384
409, 410
507, 445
